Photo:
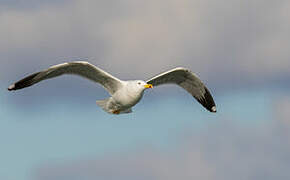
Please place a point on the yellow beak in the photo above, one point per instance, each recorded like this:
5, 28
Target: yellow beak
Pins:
148, 86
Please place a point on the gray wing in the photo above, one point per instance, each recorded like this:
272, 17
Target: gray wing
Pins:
188, 81
81, 68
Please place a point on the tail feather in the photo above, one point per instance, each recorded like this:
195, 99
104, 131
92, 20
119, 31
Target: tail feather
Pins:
104, 104
107, 106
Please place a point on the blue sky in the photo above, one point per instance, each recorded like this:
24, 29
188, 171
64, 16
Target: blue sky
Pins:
56, 140
54, 130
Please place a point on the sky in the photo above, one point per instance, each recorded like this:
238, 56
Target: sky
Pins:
54, 130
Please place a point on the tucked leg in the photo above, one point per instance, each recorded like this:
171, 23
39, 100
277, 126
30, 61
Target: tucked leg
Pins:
116, 112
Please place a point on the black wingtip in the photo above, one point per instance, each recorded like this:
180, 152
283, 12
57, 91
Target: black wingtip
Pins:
27, 81
208, 102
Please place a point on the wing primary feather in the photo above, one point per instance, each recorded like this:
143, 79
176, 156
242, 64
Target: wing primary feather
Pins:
188, 81
23, 83
207, 101
81, 68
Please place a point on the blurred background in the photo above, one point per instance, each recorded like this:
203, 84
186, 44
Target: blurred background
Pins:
55, 131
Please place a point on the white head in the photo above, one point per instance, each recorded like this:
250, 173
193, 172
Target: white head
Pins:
138, 86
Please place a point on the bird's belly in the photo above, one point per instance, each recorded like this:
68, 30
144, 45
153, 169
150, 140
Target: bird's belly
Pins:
126, 101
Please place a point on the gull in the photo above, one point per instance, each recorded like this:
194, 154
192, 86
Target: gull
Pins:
124, 94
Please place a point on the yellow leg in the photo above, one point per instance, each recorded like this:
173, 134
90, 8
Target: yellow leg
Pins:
116, 112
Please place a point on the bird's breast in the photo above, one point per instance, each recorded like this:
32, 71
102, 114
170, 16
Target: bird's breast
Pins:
127, 99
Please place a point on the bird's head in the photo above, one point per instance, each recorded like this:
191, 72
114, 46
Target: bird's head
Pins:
142, 85
139, 85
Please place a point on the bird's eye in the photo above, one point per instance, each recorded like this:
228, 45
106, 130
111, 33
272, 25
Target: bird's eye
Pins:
139, 83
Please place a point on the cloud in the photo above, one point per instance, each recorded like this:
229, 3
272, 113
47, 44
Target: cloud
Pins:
281, 108
225, 41
27, 5
225, 150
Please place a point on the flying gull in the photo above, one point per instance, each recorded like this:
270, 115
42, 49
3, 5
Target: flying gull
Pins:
124, 94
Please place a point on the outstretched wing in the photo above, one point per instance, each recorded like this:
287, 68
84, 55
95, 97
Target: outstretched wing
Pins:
190, 82
81, 68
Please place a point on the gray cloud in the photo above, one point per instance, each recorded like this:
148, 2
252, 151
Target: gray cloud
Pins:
222, 41
28, 5
224, 151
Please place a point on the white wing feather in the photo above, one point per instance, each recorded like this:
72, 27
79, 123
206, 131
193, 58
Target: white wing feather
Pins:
81, 68
188, 81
